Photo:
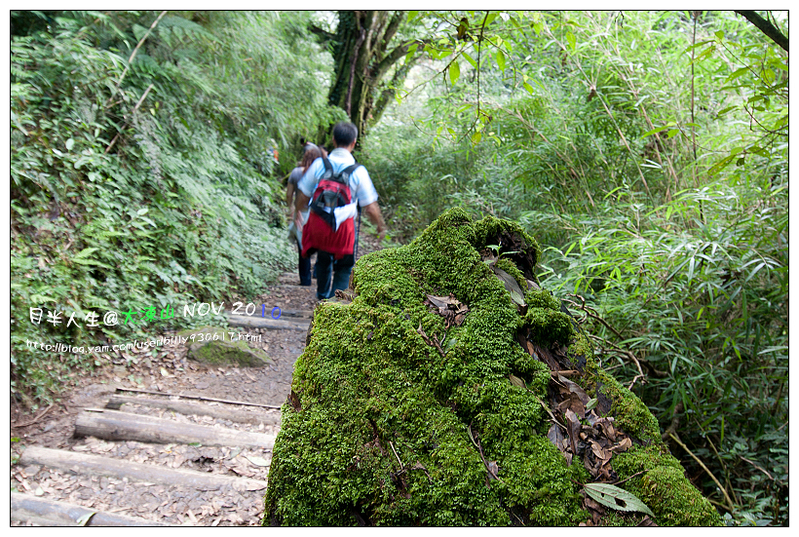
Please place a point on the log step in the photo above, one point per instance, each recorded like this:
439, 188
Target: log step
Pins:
116, 425
188, 409
88, 464
44, 512
268, 323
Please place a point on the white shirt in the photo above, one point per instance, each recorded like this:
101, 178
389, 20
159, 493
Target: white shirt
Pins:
361, 187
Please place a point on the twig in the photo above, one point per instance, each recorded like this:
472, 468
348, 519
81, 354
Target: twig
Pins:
199, 398
402, 466
730, 505
133, 55
127, 121
565, 373
34, 420
632, 476
675, 421
592, 313
758, 467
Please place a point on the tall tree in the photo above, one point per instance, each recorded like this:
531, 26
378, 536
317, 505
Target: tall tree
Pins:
366, 47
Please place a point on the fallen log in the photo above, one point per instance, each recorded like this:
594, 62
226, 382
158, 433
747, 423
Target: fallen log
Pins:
115, 425
44, 512
87, 464
182, 407
264, 322
422, 397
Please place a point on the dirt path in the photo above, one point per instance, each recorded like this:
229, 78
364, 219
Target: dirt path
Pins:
77, 474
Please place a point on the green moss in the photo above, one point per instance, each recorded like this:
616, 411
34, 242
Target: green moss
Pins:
541, 298
548, 326
580, 346
389, 425
213, 346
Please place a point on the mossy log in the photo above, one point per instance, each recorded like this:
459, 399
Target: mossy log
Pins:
436, 397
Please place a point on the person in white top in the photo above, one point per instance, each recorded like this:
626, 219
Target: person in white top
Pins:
362, 191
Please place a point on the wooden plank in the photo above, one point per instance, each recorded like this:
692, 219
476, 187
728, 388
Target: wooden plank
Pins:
266, 322
198, 397
184, 407
88, 464
46, 512
115, 425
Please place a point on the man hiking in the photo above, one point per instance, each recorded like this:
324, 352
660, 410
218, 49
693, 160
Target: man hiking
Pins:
335, 187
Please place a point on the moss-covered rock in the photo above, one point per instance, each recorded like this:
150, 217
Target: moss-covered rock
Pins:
396, 418
216, 346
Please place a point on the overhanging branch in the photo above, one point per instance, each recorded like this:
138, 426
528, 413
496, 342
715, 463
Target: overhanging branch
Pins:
771, 31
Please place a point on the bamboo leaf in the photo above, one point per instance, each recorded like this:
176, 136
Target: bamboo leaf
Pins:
616, 498
501, 59
454, 72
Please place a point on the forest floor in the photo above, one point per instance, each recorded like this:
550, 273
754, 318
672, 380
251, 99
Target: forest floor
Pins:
169, 373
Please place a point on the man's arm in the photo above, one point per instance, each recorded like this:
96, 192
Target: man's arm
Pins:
289, 199
373, 212
300, 204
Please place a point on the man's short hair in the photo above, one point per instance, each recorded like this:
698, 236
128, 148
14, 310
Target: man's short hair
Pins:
344, 133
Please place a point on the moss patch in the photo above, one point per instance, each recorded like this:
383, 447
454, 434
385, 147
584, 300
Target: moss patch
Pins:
398, 420
212, 345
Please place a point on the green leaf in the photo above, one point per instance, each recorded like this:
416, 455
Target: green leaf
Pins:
82, 521
142, 211
658, 129
616, 498
454, 72
69, 144
528, 87
501, 59
470, 60
85, 253
570, 37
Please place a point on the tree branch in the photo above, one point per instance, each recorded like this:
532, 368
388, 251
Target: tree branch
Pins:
323, 35
771, 31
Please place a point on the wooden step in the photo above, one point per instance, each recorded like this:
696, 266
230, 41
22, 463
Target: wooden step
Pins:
188, 409
116, 425
88, 464
267, 322
44, 512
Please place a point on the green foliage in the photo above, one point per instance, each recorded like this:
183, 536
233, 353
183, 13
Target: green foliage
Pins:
648, 151
140, 162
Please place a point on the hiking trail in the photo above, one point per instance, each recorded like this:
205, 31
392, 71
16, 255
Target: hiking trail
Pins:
164, 440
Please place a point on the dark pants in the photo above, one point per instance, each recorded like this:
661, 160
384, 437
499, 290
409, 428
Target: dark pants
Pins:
305, 268
341, 269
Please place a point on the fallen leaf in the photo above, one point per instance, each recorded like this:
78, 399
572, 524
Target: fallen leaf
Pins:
493, 469
516, 381
622, 446
616, 498
574, 429
84, 520
257, 461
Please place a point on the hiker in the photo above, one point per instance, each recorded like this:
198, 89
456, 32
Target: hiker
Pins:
311, 153
331, 232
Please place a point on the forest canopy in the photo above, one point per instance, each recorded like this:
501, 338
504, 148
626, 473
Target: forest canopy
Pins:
647, 152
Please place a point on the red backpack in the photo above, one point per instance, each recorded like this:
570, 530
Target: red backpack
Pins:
320, 233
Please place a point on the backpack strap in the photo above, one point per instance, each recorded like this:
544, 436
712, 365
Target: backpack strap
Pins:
328, 166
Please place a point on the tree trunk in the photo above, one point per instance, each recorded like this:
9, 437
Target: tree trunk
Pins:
364, 54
